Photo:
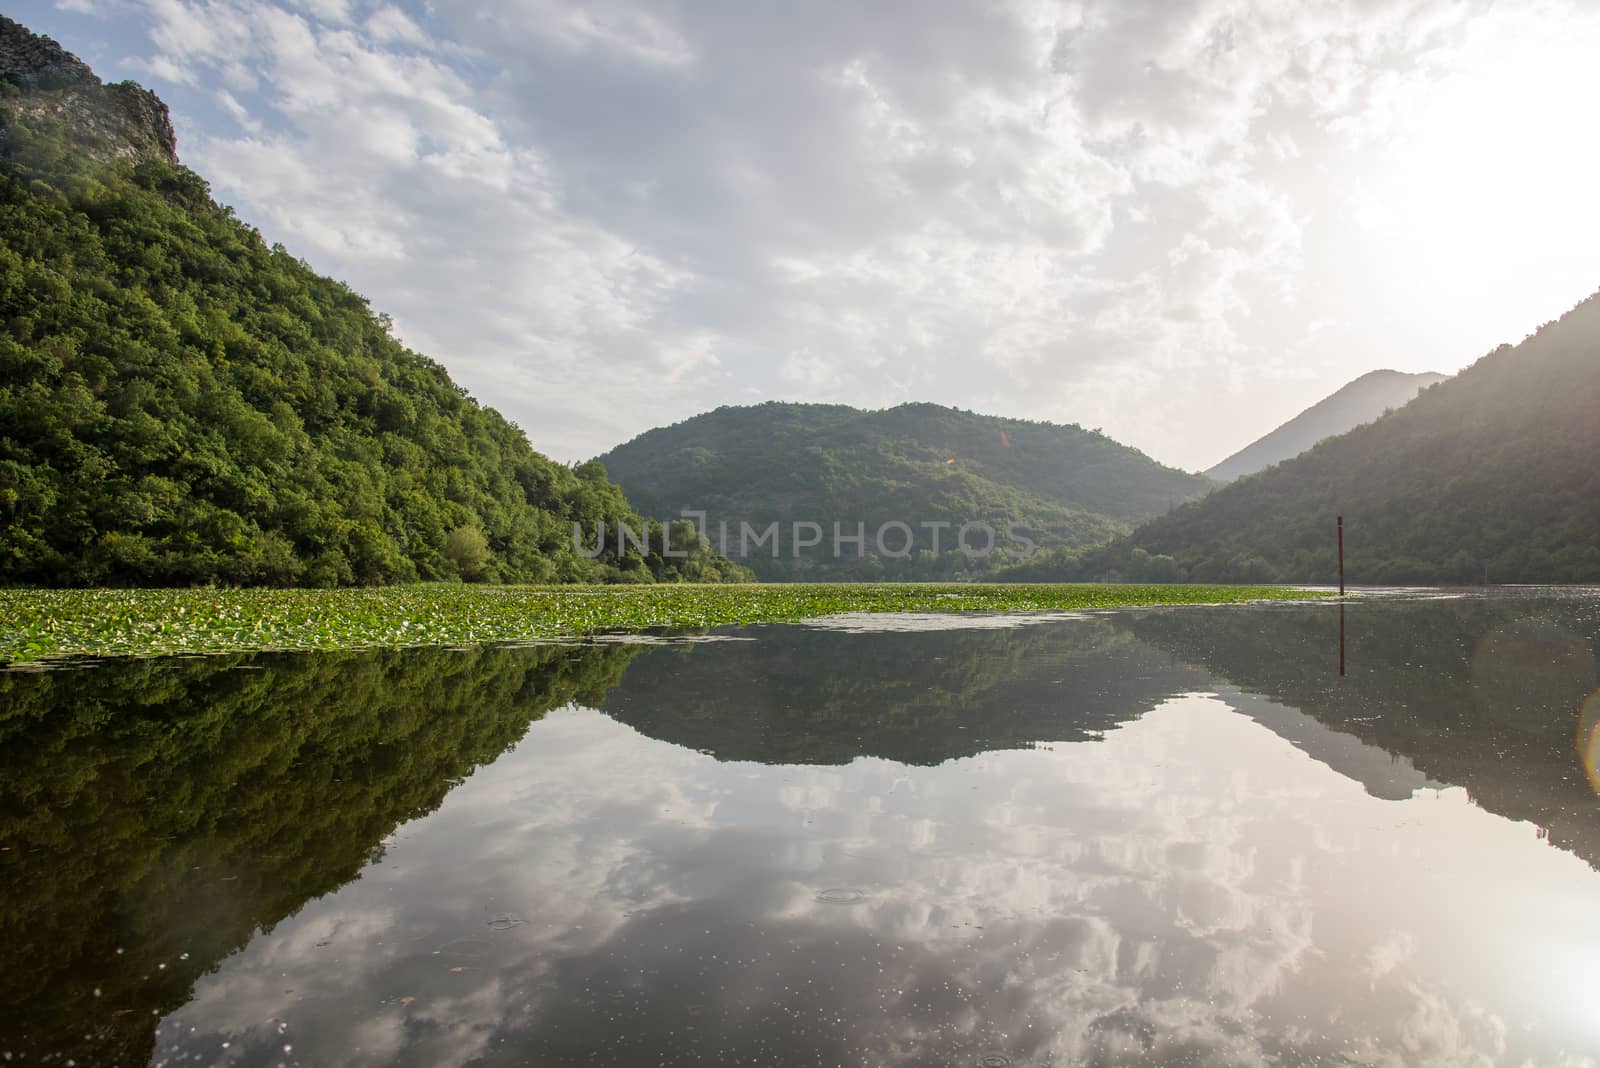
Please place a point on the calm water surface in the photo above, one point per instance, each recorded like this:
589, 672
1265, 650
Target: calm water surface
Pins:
1161, 837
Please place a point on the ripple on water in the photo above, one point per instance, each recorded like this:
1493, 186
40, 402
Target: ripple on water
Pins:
840, 895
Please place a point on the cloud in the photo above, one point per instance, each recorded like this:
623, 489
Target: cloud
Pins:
390, 24
1087, 212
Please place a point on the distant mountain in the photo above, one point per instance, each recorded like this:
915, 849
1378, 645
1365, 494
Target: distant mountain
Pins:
1490, 474
1359, 402
181, 403
918, 464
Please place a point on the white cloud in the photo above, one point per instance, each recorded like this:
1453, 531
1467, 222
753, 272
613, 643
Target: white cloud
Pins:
390, 24
240, 113
1087, 212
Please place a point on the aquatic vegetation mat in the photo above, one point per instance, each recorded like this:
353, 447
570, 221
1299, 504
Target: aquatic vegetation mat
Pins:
48, 624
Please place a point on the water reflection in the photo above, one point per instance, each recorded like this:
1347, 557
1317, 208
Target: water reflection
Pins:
1486, 693
155, 814
801, 695
1144, 838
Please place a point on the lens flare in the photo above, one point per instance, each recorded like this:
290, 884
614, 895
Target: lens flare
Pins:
1589, 739
1528, 668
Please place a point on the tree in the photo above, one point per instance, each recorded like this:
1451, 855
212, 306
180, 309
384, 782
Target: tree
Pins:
182, 403
468, 550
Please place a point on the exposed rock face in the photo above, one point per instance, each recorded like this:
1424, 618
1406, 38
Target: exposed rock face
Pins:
40, 80
32, 62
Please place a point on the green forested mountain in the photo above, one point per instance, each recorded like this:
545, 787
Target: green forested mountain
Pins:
181, 403
1357, 402
916, 464
1490, 474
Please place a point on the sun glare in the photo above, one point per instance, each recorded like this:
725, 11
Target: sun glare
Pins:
1483, 214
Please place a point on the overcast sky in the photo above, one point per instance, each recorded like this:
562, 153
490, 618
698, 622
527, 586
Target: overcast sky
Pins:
1180, 222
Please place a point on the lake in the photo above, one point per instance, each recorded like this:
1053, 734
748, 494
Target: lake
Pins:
1165, 836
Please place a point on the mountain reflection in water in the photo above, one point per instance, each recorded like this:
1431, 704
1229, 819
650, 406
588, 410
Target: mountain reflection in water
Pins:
1157, 837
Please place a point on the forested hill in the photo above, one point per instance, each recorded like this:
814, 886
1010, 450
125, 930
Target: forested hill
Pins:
1491, 474
915, 464
1357, 402
180, 403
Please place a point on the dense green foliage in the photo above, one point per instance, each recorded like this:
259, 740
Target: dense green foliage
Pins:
180, 403
918, 463
1491, 475
38, 624
155, 814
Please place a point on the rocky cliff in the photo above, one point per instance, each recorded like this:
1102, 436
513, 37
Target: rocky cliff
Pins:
42, 83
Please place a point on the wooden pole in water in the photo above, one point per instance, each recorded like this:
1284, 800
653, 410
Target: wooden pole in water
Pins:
1341, 556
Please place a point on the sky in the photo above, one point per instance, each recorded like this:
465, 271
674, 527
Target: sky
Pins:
1179, 222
